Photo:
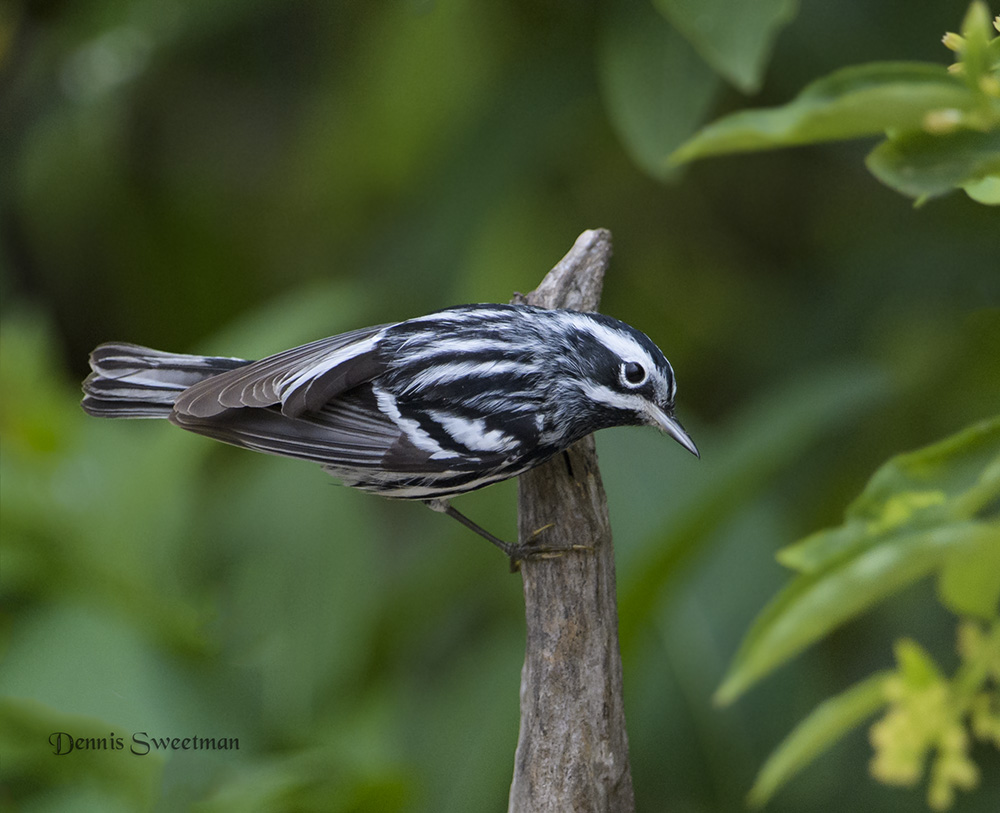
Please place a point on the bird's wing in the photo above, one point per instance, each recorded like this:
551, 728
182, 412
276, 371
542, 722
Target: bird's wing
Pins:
300, 380
348, 433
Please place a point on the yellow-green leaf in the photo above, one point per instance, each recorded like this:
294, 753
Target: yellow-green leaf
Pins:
970, 581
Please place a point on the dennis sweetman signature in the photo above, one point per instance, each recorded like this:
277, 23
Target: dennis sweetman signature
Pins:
139, 744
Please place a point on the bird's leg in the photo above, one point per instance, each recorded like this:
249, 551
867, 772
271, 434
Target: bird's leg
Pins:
513, 552
445, 507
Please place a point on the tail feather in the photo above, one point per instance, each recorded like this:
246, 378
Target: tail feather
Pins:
130, 381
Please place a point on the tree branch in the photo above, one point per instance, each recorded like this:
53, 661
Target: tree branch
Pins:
572, 751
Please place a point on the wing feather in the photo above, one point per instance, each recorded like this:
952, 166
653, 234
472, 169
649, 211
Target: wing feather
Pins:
347, 431
347, 434
302, 379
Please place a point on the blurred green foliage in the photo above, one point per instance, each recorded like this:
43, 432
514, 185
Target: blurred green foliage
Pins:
925, 512
941, 127
933, 511
235, 178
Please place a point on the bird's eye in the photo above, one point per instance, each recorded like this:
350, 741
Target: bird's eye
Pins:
633, 374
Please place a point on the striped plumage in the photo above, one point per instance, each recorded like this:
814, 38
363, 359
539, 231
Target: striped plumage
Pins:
422, 409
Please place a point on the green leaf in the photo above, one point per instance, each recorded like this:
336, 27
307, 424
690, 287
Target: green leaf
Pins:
985, 191
925, 165
970, 581
916, 667
916, 514
734, 37
957, 478
857, 101
821, 729
656, 89
814, 604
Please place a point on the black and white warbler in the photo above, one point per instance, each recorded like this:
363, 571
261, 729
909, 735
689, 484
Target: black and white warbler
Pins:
423, 409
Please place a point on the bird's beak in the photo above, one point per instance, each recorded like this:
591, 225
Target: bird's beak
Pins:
667, 423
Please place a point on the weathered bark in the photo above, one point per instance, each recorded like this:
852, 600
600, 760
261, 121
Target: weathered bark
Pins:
572, 751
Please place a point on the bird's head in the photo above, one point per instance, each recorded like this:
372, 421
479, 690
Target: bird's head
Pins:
623, 377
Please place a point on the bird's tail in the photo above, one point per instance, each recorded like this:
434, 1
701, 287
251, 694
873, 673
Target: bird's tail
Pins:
129, 381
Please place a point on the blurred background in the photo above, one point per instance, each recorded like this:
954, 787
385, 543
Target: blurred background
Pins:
239, 177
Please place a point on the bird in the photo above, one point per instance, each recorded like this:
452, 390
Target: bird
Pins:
422, 409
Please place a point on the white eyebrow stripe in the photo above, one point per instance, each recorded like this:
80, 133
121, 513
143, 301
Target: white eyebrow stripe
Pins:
619, 342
